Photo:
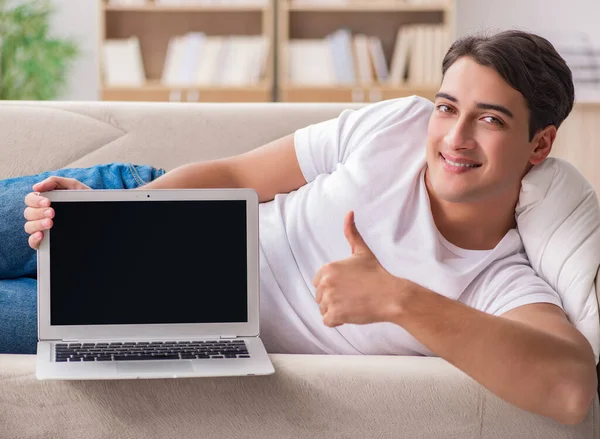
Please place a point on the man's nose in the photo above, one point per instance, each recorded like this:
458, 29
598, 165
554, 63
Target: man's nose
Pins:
459, 136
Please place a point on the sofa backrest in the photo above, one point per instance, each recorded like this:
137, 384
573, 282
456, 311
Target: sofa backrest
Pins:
39, 136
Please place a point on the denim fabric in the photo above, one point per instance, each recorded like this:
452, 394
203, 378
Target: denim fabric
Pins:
18, 316
18, 261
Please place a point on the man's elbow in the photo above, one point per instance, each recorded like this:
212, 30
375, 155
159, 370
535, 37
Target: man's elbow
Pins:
577, 399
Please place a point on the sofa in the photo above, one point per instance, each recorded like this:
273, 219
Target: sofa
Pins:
313, 396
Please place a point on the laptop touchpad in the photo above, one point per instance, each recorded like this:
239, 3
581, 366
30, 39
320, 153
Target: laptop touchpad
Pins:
151, 367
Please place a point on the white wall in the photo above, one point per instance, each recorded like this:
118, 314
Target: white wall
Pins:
79, 19
540, 16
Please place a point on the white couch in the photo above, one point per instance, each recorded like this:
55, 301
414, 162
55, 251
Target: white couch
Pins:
308, 396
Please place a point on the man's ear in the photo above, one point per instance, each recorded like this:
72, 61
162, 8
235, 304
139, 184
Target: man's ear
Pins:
543, 142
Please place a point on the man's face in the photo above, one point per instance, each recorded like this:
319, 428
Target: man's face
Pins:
478, 145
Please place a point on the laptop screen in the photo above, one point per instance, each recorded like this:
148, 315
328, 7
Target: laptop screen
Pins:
151, 262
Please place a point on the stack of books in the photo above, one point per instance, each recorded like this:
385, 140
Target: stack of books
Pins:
344, 59
418, 54
197, 59
193, 59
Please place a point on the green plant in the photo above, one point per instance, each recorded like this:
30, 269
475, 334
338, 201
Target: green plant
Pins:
33, 65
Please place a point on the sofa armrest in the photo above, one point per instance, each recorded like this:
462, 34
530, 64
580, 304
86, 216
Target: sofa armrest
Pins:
308, 396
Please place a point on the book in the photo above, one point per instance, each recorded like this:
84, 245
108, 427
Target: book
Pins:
378, 59
417, 56
310, 63
122, 62
194, 42
208, 64
363, 59
401, 55
340, 43
174, 59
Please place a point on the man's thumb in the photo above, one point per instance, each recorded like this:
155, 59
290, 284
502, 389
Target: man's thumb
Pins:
356, 241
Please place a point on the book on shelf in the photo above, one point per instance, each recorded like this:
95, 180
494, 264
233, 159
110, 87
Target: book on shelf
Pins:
362, 56
339, 59
310, 63
378, 59
340, 43
418, 54
122, 62
343, 59
195, 59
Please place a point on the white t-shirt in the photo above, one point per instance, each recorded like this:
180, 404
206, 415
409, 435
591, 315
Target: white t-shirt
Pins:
372, 161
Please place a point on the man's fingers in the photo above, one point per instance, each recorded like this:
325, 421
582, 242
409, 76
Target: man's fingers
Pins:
319, 294
34, 199
32, 227
317, 278
54, 182
46, 185
35, 240
323, 308
35, 213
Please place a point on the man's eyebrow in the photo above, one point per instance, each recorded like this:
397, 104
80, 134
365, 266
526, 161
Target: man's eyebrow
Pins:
480, 105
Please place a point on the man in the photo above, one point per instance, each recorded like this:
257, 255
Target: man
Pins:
391, 230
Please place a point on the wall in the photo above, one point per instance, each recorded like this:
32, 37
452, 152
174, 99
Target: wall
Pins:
566, 23
79, 19
539, 16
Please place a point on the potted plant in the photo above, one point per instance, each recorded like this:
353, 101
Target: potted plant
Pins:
33, 64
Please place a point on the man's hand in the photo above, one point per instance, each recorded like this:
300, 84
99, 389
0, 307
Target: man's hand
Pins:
357, 289
38, 212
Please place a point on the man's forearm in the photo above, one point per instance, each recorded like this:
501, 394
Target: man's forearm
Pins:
210, 174
525, 366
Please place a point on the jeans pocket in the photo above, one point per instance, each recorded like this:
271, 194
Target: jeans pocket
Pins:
143, 174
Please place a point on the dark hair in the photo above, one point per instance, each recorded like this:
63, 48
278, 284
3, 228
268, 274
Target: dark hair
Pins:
530, 64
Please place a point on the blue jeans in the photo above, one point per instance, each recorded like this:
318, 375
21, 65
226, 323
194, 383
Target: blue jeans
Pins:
18, 261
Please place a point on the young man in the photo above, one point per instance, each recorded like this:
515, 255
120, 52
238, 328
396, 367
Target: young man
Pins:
391, 230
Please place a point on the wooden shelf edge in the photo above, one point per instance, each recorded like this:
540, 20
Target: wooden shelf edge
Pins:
183, 8
365, 6
382, 87
160, 87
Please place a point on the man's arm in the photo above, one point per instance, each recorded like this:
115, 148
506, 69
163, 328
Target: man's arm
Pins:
530, 356
270, 169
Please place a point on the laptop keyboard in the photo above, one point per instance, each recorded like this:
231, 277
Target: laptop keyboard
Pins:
159, 350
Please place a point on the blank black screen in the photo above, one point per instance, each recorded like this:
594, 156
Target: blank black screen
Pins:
136, 262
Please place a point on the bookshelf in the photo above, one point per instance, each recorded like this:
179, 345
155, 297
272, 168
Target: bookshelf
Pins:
155, 23
303, 21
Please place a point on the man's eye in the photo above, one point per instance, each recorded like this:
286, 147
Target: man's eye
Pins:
444, 108
493, 120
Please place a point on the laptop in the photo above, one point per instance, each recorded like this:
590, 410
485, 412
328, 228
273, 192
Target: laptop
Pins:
150, 284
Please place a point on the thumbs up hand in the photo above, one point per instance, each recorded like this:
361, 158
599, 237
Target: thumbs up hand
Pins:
357, 289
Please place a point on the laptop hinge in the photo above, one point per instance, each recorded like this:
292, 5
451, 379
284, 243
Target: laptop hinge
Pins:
228, 337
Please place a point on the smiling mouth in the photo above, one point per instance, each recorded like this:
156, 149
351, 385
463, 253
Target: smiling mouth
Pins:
459, 165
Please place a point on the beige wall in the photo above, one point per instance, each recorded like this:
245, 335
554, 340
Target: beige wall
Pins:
540, 16
80, 19
578, 141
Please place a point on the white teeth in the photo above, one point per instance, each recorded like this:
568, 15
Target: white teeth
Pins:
464, 165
